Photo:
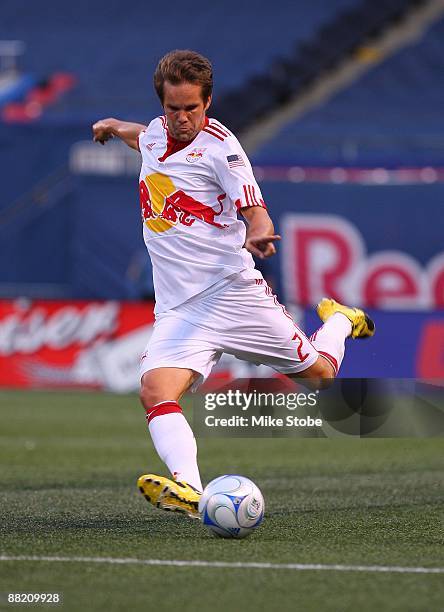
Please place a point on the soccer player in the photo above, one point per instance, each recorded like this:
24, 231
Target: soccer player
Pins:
210, 298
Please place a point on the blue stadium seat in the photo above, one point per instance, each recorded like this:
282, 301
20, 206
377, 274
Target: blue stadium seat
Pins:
113, 47
391, 116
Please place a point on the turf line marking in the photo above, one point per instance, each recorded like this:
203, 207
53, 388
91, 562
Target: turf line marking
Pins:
234, 565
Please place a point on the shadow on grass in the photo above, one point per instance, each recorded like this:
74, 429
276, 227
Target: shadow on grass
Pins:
154, 526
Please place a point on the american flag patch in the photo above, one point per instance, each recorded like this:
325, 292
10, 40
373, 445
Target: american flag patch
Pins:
235, 160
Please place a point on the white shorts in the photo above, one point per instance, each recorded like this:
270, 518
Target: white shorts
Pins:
239, 316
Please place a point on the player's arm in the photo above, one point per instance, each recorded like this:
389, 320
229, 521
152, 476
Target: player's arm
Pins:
235, 175
105, 129
260, 233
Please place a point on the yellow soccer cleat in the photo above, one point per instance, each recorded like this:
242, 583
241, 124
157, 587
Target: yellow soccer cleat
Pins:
170, 495
362, 325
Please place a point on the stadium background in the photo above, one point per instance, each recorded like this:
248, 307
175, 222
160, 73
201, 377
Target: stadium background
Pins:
338, 104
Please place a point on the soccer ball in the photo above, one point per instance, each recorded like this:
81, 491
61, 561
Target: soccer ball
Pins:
232, 506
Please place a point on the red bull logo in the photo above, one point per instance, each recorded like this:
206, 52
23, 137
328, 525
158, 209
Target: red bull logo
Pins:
164, 206
185, 203
195, 155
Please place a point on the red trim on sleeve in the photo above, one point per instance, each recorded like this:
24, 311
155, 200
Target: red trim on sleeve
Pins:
216, 128
253, 195
247, 203
251, 198
208, 131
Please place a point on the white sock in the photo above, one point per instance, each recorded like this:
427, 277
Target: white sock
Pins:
175, 444
329, 340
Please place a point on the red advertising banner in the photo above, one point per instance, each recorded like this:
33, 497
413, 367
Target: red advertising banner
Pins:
98, 345
325, 254
87, 345
62, 344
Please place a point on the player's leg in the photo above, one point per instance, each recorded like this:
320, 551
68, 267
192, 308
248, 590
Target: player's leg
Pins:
329, 341
264, 332
340, 323
259, 329
320, 375
173, 439
178, 354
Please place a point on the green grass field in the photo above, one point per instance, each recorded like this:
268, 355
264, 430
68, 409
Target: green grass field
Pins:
69, 464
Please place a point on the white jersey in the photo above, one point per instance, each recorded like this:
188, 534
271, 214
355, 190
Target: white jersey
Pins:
189, 200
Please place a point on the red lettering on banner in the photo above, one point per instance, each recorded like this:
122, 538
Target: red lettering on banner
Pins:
438, 290
338, 265
393, 280
389, 281
430, 362
321, 254
32, 329
72, 344
435, 273
325, 255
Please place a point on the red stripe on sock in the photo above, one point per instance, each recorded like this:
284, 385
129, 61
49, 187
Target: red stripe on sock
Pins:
331, 360
160, 409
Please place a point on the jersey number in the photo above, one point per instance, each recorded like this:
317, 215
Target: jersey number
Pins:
299, 349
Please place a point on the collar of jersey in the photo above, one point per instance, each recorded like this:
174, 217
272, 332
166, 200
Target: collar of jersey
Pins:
174, 145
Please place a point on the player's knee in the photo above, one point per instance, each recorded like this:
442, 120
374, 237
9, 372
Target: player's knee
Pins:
325, 373
325, 382
320, 383
318, 376
149, 395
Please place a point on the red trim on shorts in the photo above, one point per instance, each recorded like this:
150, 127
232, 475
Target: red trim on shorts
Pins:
331, 360
160, 409
299, 333
314, 335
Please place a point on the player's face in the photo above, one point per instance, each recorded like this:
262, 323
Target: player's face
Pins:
184, 109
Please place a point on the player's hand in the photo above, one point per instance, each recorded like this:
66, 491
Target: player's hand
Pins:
103, 130
262, 246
